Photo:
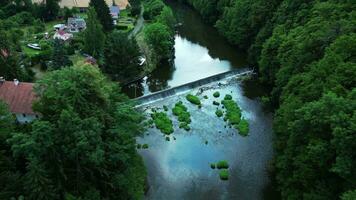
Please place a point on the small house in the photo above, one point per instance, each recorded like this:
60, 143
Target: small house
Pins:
19, 98
62, 35
76, 24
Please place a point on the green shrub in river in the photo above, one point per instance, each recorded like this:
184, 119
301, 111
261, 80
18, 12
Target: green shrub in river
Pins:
212, 165
243, 127
206, 97
233, 112
215, 103
224, 174
145, 146
162, 122
228, 97
165, 108
223, 164
183, 115
193, 99
219, 113
216, 94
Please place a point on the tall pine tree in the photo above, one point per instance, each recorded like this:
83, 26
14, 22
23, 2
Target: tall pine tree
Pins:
59, 56
94, 36
103, 12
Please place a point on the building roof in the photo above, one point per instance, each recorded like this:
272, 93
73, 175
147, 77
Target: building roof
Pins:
85, 3
19, 97
114, 10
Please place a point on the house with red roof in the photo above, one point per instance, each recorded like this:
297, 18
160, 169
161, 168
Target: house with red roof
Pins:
19, 97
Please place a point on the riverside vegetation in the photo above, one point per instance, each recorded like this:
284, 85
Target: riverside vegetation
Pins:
305, 53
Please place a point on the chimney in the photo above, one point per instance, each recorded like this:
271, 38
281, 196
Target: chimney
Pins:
16, 82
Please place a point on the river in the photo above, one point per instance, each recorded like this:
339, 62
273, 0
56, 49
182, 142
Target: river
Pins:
180, 168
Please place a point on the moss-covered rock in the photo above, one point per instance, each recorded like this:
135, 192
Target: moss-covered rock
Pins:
243, 127
223, 164
219, 113
216, 94
162, 122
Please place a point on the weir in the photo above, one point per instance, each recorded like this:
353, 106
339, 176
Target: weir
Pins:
189, 86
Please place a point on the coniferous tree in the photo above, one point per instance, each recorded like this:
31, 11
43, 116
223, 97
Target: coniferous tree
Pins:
60, 58
122, 57
103, 13
94, 37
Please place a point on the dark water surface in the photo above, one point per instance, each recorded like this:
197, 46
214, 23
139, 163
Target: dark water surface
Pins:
200, 52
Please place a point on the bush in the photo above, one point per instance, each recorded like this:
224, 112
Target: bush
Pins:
216, 103
168, 139
228, 97
183, 115
162, 122
206, 97
224, 174
243, 127
219, 113
139, 146
233, 111
193, 99
212, 165
223, 164
216, 94
145, 146
165, 108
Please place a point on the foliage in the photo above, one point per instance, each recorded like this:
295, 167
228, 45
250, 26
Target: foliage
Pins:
80, 145
94, 29
233, 111
219, 113
153, 8
243, 127
212, 166
228, 97
121, 57
215, 103
223, 164
103, 14
183, 115
216, 94
193, 99
59, 56
224, 174
135, 7
162, 122
159, 37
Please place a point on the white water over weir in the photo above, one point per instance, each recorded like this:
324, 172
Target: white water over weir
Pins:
150, 98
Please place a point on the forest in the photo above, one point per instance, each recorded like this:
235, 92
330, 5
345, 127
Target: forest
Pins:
305, 52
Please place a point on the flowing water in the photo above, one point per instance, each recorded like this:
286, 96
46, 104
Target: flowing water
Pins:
180, 168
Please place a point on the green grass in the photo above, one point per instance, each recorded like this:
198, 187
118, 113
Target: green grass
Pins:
219, 113
233, 111
224, 174
193, 99
243, 127
162, 122
223, 164
216, 94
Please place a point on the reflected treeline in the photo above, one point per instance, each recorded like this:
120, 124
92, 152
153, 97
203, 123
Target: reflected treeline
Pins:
195, 30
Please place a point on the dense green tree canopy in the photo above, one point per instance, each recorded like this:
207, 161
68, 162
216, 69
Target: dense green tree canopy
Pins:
94, 30
121, 57
159, 37
103, 14
84, 143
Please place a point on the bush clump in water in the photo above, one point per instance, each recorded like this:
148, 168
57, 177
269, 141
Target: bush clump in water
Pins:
168, 139
216, 94
183, 115
219, 113
223, 164
193, 99
233, 112
139, 146
145, 146
165, 108
228, 97
243, 127
212, 165
206, 97
215, 103
224, 174
162, 122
